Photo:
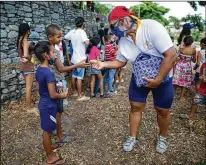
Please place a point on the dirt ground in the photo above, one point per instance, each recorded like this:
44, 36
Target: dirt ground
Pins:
100, 126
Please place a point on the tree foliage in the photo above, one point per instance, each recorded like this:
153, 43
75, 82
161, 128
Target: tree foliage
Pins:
103, 9
175, 20
194, 4
151, 10
196, 20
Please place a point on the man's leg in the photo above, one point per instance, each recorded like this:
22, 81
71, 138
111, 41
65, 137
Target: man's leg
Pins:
163, 120
134, 120
137, 97
135, 117
163, 97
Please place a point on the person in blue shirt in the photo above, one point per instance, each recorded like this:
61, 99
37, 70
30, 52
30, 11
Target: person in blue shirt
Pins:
45, 80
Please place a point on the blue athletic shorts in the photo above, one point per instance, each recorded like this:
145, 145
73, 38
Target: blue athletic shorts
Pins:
78, 73
25, 73
163, 95
199, 99
48, 118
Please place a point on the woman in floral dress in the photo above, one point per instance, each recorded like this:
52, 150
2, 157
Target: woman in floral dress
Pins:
183, 70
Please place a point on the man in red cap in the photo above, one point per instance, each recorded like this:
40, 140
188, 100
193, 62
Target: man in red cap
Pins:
144, 40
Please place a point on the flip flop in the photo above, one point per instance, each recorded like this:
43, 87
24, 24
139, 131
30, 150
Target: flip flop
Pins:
58, 145
65, 139
56, 161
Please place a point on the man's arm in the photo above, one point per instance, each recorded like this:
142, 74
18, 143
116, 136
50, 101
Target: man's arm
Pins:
109, 64
61, 68
167, 63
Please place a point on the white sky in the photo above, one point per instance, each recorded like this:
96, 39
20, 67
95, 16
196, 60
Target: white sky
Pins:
177, 9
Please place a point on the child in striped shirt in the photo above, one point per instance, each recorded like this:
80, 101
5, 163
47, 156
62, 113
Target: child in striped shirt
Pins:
110, 55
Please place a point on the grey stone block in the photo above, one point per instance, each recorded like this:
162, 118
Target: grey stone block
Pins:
3, 33
12, 88
5, 96
15, 59
28, 15
27, 9
5, 90
12, 34
34, 6
3, 55
9, 7
13, 82
28, 19
13, 20
2, 26
10, 15
55, 16
5, 61
14, 27
3, 85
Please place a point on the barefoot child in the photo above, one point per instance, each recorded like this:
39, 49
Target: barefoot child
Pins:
94, 54
200, 95
54, 35
44, 51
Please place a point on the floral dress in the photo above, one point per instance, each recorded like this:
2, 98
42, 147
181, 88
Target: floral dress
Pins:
183, 71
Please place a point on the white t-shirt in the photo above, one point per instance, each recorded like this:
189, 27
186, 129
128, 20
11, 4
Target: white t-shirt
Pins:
151, 38
60, 49
77, 37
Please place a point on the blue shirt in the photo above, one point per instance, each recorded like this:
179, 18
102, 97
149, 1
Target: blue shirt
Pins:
44, 76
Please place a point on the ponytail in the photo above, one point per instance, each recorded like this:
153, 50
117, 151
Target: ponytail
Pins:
89, 48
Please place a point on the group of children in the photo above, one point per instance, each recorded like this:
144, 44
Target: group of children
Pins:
105, 79
183, 76
50, 81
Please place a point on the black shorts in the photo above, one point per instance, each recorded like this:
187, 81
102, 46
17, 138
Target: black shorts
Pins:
60, 106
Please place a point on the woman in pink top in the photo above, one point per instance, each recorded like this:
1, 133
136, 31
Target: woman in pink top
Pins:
94, 54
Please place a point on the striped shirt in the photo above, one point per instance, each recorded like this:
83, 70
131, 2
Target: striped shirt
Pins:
110, 53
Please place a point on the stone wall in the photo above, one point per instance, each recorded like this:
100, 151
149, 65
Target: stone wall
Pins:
39, 14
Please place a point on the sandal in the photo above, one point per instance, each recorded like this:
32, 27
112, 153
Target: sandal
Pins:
183, 116
57, 146
65, 139
56, 161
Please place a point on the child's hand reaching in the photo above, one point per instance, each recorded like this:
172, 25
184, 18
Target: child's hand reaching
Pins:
64, 93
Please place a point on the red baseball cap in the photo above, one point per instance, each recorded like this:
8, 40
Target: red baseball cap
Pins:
119, 12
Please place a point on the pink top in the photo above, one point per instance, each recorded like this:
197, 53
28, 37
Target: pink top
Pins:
94, 53
202, 89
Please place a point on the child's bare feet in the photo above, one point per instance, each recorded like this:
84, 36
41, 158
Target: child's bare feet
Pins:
182, 99
33, 110
55, 160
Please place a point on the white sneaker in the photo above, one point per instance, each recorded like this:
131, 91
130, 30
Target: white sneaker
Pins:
161, 144
83, 98
129, 144
75, 95
117, 81
122, 80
